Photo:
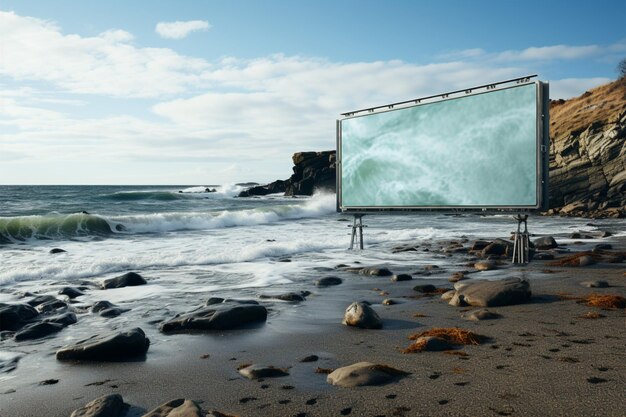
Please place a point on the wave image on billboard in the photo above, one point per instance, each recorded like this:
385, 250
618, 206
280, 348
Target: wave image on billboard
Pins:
478, 150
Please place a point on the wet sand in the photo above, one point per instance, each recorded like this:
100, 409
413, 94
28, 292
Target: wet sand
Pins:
543, 358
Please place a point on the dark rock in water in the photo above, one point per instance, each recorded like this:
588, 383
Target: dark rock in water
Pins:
41, 299
9, 364
114, 347
595, 284
586, 260
99, 306
479, 245
56, 250
126, 280
177, 408
51, 306
273, 188
543, 256
210, 190
224, 316
494, 248
378, 272
262, 371
401, 277
603, 246
120, 227
426, 288
364, 373
310, 358
71, 292
359, 314
214, 300
492, 293
328, 281
544, 243
482, 314
64, 319
290, 296
111, 405
37, 331
112, 312
14, 316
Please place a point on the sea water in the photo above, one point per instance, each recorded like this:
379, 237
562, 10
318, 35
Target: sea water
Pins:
190, 244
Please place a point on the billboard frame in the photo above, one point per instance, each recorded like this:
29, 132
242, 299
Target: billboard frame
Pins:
542, 148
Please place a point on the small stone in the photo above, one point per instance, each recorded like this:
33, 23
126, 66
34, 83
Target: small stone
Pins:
112, 347
262, 371
389, 301
111, 405
401, 277
37, 331
126, 280
544, 243
361, 315
56, 250
485, 265
310, 358
457, 276
291, 297
71, 292
595, 284
482, 314
586, 260
328, 281
363, 374
177, 408
378, 272
426, 288
543, 256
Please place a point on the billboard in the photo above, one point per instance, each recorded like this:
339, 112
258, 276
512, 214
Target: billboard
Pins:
484, 148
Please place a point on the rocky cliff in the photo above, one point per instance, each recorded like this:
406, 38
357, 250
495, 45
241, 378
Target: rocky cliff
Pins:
588, 153
587, 157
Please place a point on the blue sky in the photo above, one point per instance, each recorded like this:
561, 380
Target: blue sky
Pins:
199, 92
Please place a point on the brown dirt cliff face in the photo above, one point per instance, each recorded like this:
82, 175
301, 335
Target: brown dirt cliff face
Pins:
588, 153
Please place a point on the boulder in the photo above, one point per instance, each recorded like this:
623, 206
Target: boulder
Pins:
41, 299
328, 281
113, 347
102, 305
262, 371
64, 319
111, 405
176, 408
37, 331
447, 296
71, 292
51, 306
223, 316
14, 316
544, 243
127, 280
494, 248
364, 373
359, 314
493, 293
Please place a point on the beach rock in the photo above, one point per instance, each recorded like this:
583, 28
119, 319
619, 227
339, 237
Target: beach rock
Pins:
37, 331
51, 306
177, 408
425, 288
595, 284
586, 260
389, 302
41, 299
111, 405
290, 296
493, 293
458, 276
447, 296
485, 265
224, 316
458, 300
401, 277
494, 248
14, 316
71, 292
378, 272
359, 314
113, 347
102, 305
310, 358
544, 243
328, 281
64, 319
262, 371
56, 250
214, 300
479, 245
432, 344
363, 374
127, 280
602, 246
543, 256
482, 314
112, 312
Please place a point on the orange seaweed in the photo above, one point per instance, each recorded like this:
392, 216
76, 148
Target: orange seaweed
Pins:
609, 301
452, 335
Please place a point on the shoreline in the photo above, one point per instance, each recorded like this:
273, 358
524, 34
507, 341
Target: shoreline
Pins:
540, 360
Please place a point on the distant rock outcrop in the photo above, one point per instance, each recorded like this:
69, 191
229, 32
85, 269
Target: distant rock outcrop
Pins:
312, 171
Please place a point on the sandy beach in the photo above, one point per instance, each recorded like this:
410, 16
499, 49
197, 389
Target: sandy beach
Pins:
543, 357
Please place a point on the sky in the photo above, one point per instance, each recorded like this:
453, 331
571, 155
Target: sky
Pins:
224, 91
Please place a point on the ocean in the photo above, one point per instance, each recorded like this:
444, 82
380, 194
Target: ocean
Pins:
191, 245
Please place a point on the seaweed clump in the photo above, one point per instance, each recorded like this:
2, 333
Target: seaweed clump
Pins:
607, 302
447, 336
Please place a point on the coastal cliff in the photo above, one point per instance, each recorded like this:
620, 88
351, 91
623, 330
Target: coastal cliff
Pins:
587, 157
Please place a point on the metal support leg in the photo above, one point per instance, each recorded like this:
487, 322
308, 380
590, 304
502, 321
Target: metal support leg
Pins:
357, 224
521, 242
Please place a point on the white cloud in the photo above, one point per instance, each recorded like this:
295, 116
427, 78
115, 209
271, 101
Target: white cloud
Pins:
573, 87
180, 30
555, 52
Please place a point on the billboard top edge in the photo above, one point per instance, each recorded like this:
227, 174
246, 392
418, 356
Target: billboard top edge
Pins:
502, 85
